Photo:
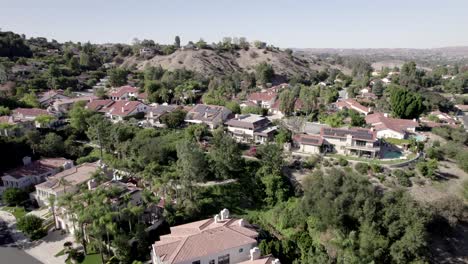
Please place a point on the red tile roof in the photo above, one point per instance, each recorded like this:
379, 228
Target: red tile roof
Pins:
97, 105
37, 167
33, 112
121, 91
381, 122
123, 108
463, 108
353, 104
266, 96
202, 238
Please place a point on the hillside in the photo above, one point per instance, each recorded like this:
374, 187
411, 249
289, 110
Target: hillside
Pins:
211, 62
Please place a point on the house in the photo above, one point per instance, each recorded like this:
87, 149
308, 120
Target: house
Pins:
48, 98
122, 193
443, 117
211, 115
352, 104
10, 127
387, 127
65, 105
122, 110
154, 114
124, 93
100, 106
67, 181
145, 51
256, 258
309, 144
352, 141
251, 128
221, 240
34, 172
263, 99
30, 114
462, 108
275, 109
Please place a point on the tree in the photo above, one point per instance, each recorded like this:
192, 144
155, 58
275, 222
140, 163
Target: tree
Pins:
177, 42
45, 120
225, 155
52, 145
234, 107
283, 136
174, 119
270, 173
117, 77
31, 225
78, 116
191, 164
4, 111
264, 72
201, 44
405, 104
378, 88
14, 196
357, 120
287, 101
30, 100
74, 64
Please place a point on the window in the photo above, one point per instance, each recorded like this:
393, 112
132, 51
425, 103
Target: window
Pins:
241, 250
223, 259
196, 262
360, 143
212, 261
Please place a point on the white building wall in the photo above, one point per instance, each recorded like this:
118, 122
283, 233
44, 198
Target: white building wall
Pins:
387, 133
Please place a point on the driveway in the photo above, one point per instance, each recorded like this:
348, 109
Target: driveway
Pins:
46, 248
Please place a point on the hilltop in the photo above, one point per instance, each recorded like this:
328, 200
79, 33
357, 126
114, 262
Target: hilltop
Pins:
211, 62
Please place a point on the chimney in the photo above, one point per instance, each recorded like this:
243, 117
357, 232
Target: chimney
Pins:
224, 214
123, 110
241, 222
92, 184
216, 218
26, 160
254, 253
67, 165
206, 115
385, 114
236, 116
276, 261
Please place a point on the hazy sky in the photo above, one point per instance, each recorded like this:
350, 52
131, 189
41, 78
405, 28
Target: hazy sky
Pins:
294, 23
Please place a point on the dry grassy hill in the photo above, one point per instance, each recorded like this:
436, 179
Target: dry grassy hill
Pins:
211, 62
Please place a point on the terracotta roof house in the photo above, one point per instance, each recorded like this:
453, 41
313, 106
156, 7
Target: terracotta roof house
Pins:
256, 258
352, 141
65, 105
28, 114
211, 115
251, 128
71, 179
99, 105
154, 114
387, 127
124, 93
48, 98
34, 172
220, 240
263, 99
120, 110
462, 108
352, 104
10, 127
310, 144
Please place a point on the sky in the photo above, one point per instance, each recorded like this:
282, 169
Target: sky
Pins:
286, 24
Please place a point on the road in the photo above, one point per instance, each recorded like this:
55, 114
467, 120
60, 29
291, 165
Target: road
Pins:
15, 255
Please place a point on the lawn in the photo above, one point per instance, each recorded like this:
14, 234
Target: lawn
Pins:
90, 259
16, 211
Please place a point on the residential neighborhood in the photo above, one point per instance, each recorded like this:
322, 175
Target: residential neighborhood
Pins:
123, 141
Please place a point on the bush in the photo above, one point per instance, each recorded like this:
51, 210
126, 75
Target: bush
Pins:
343, 162
362, 167
326, 163
435, 153
31, 225
462, 160
14, 196
87, 159
376, 168
402, 178
311, 161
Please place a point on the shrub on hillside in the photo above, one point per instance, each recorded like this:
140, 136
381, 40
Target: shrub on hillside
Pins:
362, 167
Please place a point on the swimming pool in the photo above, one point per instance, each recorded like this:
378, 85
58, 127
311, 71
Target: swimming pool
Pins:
419, 138
392, 155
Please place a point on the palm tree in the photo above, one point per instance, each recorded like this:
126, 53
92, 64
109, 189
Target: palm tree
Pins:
52, 206
64, 182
